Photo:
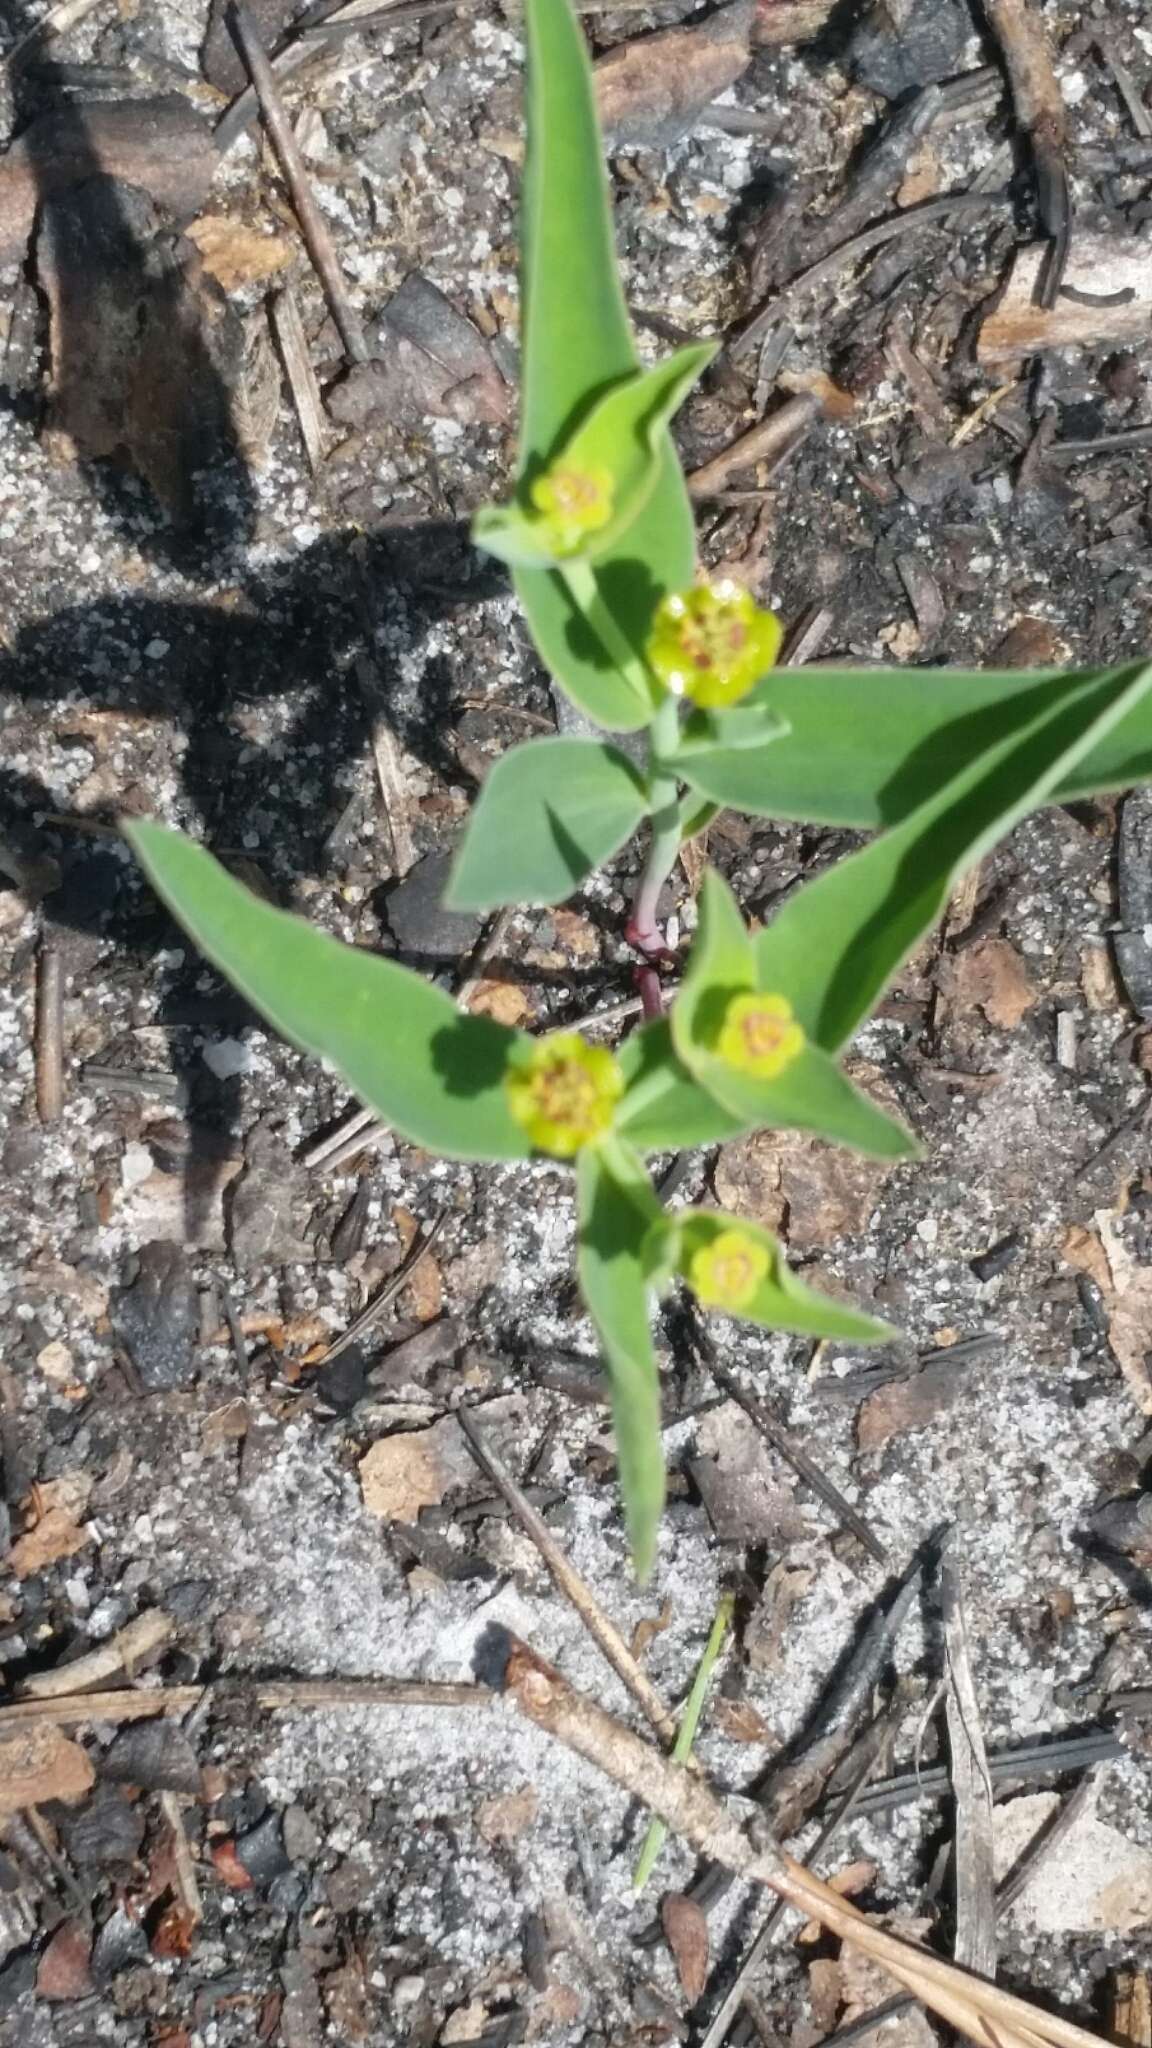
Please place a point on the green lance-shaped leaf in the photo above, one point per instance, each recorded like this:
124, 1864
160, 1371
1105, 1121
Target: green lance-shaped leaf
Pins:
664, 1108
735, 1266
603, 474
837, 943
623, 1253
549, 813
423, 1065
863, 747
576, 338
576, 345
808, 1092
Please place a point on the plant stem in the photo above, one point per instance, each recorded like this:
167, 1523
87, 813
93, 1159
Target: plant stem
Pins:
643, 928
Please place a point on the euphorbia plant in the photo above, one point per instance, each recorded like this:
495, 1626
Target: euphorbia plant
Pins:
599, 536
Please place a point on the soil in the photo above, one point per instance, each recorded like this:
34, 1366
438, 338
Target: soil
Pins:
172, 1271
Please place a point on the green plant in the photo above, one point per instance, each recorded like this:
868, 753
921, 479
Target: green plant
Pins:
599, 537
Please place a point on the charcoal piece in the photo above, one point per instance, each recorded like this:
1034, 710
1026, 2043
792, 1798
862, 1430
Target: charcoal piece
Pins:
343, 1381
1125, 1525
156, 1756
897, 47
220, 60
120, 1942
157, 1318
1134, 860
419, 1354
106, 1831
261, 1850
422, 928
997, 1259
1134, 961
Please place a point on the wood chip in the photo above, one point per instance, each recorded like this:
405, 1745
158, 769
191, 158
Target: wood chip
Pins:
161, 145
990, 976
651, 91
686, 1932
42, 1763
288, 328
1113, 272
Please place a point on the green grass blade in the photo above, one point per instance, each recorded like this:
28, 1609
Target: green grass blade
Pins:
657, 1833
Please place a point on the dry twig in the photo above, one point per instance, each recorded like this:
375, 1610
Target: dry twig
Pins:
143, 1704
130, 1647
313, 226
770, 441
692, 1810
1041, 113
599, 1625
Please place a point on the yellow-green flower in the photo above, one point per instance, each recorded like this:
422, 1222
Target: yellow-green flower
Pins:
572, 504
712, 643
760, 1035
727, 1272
564, 1092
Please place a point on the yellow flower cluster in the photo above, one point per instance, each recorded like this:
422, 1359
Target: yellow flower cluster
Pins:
572, 503
726, 1273
760, 1035
712, 644
564, 1092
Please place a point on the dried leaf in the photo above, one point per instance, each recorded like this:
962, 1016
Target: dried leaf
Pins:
505, 1818
1129, 1304
1082, 1248
54, 1536
41, 1763
228, 1866
414, 1469
686, 1932
502, 1000
797, 1185
649, 1627
235, 254
63, 1970
990, 976
1126, 1287
740, 1721
907, 1404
